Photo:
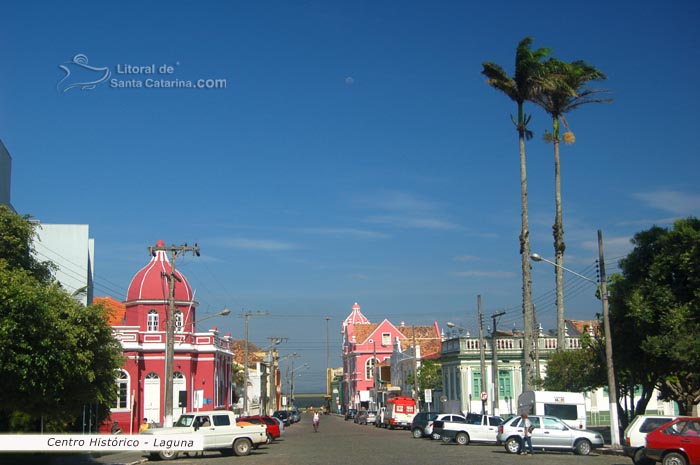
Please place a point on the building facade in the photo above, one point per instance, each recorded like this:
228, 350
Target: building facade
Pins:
461, 371
202, 378
366, 346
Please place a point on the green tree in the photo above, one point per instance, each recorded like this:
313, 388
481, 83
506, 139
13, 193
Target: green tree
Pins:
429, 375
657, 297
529, 79
566, 91
56, 355
576, 370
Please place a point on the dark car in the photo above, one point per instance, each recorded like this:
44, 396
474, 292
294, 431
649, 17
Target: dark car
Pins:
273, 428
284, 415
420, 421
350, 414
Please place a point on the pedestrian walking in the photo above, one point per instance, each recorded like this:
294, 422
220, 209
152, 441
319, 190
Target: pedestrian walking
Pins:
527, 434
316, 420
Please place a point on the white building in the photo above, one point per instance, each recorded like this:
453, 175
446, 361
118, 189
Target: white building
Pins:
70, 247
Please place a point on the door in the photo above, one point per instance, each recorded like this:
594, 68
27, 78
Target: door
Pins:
179, 384
205, 427
151, 397
558, 434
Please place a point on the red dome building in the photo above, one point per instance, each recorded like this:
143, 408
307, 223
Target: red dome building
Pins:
202, 360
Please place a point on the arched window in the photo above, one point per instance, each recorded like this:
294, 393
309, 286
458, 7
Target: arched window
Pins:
179, 321
122, 390
152, 321
369, 368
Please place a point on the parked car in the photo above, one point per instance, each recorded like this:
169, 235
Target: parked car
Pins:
633, 440
281, 425
296, 416
548, 433
370, 417
476, 428
283, 415
350, 414
273, 429
441, 418
675, 443
420, 423
365, 417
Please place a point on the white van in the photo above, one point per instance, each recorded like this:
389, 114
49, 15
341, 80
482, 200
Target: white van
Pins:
570, 407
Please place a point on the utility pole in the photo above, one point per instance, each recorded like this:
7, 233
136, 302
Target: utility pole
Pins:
482, 357
495, 364
416, 396
247, 315
174, 250
612, 386
536, 338
328, 365
374, 374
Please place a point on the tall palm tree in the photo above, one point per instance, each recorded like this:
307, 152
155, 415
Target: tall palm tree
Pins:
526, 84
565, 92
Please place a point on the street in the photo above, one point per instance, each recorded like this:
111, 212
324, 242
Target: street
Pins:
340, 442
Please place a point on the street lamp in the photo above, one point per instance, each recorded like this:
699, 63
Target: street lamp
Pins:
459, 329
305, 365
612, 392
223, 312
287, 357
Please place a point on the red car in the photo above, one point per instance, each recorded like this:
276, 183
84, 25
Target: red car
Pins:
675, 443
273, 428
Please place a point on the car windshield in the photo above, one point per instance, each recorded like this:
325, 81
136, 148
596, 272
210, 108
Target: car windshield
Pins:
185, 420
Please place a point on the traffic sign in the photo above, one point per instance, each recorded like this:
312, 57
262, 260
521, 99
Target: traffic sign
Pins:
484, 396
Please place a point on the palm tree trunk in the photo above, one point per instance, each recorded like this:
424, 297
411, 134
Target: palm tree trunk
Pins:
525, 256
559, 246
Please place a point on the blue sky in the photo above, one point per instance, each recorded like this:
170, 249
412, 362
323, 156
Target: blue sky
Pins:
356, 153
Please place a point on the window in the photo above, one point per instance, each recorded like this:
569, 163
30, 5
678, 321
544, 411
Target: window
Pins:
122, 390
222, 420
369, 368
179, 322
399, 409
476, 383
409, 409
152, 324
504, 384
563, 411
386, 339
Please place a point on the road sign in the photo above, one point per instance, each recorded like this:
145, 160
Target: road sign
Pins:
484, 396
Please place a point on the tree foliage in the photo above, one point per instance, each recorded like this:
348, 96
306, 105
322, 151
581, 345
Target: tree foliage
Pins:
429, 375
56, 355
576, 370
655, 313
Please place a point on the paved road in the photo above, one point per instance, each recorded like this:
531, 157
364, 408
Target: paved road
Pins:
340, 442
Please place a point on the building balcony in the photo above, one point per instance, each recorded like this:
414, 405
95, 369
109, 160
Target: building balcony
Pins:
132, 337
468, 347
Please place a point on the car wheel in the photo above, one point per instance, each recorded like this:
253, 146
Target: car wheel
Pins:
513, 445
167, 454
435, 436
241, 447
462, 439
269, 438
640, 459
674, 458
446, 440
583, 447
417, 433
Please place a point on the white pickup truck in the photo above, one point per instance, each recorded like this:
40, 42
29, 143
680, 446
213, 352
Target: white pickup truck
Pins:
476, 428
219, 430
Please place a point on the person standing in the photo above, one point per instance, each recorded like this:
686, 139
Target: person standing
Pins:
527, 434
316, 420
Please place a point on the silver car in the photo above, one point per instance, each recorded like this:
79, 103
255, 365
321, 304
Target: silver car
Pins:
549, 433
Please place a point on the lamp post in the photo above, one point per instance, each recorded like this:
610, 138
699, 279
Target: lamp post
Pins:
223, 312
612, 391
291, 374
287, 357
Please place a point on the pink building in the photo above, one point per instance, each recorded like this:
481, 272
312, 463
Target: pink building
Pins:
366, 345
202, 360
